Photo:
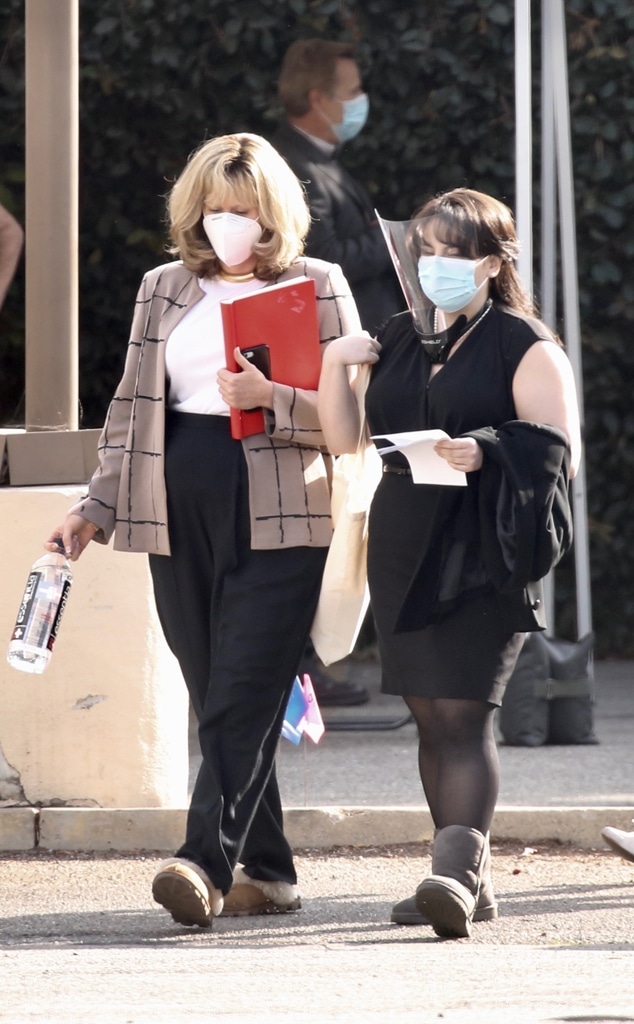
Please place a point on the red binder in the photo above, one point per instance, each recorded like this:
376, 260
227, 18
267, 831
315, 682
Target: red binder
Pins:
284, 318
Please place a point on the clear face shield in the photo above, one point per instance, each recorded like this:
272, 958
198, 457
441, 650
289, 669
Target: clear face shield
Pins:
432, 286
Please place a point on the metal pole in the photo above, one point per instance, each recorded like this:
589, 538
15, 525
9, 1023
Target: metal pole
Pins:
523, 142
563, 142
51, 214
524, 190
548, 275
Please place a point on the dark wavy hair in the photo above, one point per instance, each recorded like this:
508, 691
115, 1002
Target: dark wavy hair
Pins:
477, 225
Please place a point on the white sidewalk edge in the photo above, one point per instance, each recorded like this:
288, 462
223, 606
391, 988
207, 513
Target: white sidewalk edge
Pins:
140, 829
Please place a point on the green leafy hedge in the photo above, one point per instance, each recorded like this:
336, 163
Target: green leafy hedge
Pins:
157, 78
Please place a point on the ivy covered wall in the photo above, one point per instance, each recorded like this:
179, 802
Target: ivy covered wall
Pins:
156, 78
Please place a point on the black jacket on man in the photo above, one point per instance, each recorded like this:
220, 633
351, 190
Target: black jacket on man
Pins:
344, 229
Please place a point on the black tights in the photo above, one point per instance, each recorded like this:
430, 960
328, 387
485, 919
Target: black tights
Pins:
458, 760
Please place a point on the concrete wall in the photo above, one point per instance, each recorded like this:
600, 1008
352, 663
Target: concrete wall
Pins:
106, 724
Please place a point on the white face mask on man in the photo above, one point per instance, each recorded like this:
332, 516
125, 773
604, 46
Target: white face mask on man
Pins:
231, 236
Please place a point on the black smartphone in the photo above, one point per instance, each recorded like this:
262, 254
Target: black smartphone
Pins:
260, 357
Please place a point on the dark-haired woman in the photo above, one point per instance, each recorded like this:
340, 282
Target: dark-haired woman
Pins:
454, 571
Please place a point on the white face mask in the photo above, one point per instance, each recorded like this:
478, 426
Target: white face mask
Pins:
231, 236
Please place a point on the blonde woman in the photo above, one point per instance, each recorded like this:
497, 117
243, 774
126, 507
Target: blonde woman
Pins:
236, 531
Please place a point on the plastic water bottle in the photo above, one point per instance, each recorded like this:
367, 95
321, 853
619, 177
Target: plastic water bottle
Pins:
40, 613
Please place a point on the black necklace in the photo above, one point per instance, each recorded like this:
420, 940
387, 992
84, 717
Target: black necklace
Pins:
439, 344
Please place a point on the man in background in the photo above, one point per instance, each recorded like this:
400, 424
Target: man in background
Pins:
325, 106
320, 90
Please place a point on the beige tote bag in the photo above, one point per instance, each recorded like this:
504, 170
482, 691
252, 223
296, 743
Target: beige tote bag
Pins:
344, 596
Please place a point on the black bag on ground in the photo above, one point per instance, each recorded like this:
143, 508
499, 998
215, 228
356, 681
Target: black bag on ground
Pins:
549, 697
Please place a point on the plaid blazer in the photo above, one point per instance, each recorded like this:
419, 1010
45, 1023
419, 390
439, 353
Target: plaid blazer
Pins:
289, 472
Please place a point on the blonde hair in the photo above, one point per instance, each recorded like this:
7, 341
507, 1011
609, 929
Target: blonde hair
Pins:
309, 64
248, 168
479, 225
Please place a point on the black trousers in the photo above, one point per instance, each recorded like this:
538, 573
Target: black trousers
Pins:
237, 621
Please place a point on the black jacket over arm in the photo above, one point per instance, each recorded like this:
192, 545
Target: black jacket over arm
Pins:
524, 512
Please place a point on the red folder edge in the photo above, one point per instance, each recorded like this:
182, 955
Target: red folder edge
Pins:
284, 317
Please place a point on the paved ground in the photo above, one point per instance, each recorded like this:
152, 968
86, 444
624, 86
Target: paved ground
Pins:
81, 940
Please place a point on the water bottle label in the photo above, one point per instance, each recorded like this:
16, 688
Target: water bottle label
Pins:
24, 610
60, 611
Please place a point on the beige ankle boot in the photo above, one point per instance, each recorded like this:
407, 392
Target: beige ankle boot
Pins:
250, 897
186, 892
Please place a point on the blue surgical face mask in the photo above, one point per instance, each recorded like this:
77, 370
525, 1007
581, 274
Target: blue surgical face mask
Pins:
355, 114
448, 282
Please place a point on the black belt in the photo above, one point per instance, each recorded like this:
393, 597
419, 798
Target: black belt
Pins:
401, 470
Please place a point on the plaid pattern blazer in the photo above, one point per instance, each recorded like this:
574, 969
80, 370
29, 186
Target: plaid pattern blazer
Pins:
288, 468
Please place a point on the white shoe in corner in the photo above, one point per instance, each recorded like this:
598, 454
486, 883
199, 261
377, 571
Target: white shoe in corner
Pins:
619, 841
250, 897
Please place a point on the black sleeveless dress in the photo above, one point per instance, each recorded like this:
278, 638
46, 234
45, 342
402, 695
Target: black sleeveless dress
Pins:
439, 625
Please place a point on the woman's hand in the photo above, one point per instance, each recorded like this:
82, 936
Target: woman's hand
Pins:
75, 534
246, 389
461, 453
352, 349
337, 403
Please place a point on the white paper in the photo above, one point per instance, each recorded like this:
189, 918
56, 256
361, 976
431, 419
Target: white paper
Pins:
418, 448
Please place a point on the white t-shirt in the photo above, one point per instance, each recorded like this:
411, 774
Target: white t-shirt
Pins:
196, 350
